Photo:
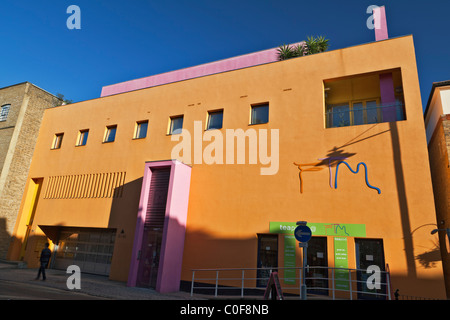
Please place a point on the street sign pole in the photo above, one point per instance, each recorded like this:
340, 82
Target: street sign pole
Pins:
304, 246
303, 234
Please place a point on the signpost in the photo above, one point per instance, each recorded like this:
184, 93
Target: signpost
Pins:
303, 234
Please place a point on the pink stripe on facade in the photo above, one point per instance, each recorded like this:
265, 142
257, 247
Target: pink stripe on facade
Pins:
240, 62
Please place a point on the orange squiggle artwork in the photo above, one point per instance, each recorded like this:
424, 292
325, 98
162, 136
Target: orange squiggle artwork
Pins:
300, 165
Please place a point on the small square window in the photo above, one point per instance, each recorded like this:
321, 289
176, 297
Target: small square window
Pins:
4, 112
110, 134
141, 130
176, 125
57, 140
260, 114
82, 137
215, 119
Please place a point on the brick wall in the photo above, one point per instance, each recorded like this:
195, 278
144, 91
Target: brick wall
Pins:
18, 135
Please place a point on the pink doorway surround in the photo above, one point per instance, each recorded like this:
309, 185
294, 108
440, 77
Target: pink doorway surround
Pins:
172, 245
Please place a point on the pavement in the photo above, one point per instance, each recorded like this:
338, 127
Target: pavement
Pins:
92, 286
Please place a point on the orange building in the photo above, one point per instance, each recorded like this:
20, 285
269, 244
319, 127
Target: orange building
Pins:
214, 171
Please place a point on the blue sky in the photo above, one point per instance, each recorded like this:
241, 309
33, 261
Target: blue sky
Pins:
125, 40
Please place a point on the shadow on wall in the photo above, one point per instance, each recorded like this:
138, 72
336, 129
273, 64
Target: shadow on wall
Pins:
429, 258
5, 239
431, 255
123, 217
402, 201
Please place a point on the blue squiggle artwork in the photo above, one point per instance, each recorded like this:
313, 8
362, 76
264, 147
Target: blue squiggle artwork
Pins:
357, 170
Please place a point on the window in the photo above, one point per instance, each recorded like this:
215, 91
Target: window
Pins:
364, 99
260, 114
354, 113
141, 129
57, 140
110, 133
176, 125
82, 137
215, 119
4, 112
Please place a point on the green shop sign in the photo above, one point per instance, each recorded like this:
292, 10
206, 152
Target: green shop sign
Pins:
341, 261
289, 258
340, 231
322, 229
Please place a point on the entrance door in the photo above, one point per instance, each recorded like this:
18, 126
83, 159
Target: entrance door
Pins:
149, 258
149, 254
267, 257
317, 256
34, 190
370, 252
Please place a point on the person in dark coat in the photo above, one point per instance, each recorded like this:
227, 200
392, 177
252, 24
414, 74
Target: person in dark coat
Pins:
44, 259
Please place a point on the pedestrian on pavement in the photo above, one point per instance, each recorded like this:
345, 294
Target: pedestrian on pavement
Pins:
44, 259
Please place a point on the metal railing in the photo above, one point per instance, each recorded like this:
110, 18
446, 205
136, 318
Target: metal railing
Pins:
349, 115
338, 283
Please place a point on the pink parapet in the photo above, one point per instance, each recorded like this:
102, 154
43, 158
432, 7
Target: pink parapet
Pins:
235, 63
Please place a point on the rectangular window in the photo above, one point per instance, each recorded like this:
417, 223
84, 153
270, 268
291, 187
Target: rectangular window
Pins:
4, 112
141, 130
354, 113
176, 125
57, 140
110, 134
82, 137
215, 119
260, 114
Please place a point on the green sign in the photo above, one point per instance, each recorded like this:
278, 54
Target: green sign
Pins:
341, 261
289, 259
322, 229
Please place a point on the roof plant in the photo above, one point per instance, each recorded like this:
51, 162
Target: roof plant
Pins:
312, 45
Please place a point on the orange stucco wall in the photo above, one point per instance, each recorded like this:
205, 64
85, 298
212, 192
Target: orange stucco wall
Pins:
230, 204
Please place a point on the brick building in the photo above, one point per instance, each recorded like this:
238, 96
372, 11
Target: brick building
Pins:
21, 110
437, 121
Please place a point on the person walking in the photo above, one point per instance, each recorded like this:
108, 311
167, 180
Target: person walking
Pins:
44, 259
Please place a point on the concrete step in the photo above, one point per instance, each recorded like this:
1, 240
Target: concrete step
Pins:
10, 264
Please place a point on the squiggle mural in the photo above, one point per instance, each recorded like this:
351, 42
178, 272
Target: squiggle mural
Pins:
357, 170
330, 160
317, 168
310, 169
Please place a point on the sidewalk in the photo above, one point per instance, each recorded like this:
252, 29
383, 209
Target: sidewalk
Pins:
98, 286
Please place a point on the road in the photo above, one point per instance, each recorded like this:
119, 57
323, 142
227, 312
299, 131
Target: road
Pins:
10, 290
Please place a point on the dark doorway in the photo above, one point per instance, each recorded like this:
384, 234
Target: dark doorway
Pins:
370, 252
317, 256
267, 257
153, 229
